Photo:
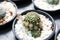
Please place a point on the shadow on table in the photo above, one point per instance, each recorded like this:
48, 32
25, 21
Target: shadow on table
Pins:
24, 5
55, 15
6, 28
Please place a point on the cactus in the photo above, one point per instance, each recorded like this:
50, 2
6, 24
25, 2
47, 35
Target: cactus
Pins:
32, 17
33, 20
2, 11
36, 33
53, 1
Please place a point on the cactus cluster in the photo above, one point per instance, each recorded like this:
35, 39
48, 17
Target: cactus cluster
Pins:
53, 1
32, 22
32, 17
2, 11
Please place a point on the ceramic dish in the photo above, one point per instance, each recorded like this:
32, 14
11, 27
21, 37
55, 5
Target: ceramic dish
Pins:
44, 5
8, 12
20, 34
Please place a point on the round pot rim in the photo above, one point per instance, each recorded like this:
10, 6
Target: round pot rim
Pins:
44, 9
13, 29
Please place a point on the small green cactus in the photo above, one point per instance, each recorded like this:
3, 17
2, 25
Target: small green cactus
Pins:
36, 33
33, 20
53, 2
32, 17
2, 11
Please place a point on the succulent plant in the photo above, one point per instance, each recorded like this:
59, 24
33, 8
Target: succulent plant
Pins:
36, 33
33, 20
53, 1
2, 11
32, 17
